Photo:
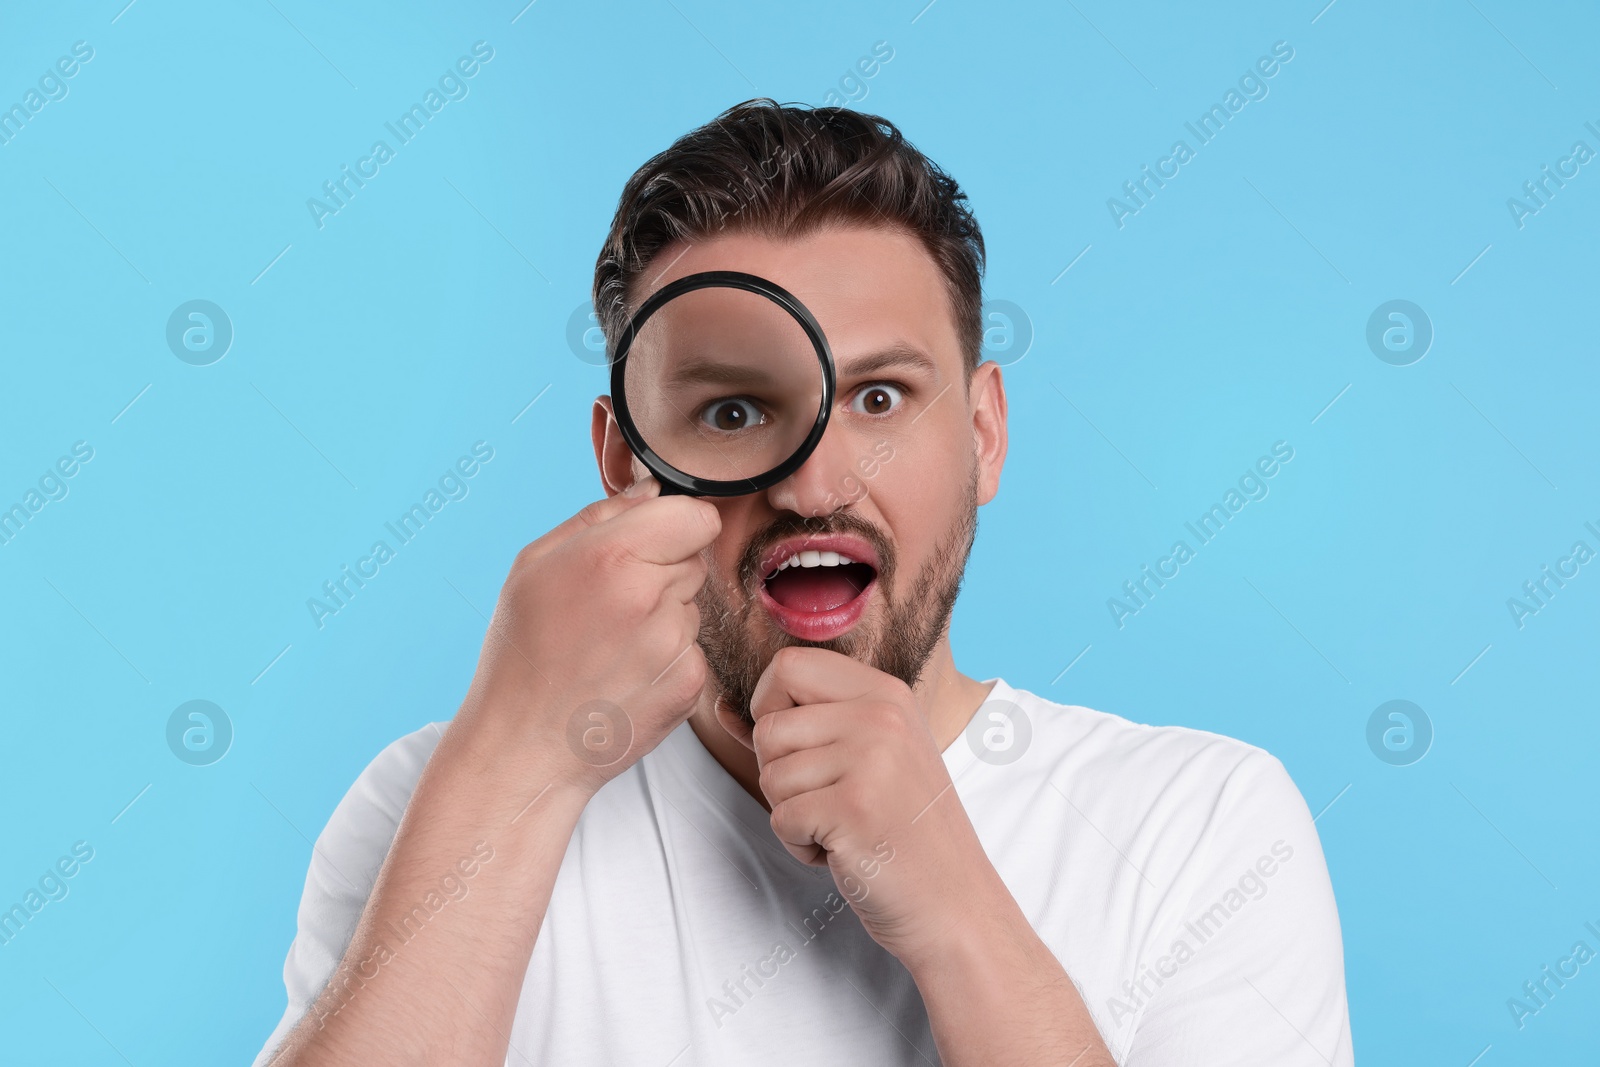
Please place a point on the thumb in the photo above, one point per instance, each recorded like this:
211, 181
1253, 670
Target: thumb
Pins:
732, 722
601, 511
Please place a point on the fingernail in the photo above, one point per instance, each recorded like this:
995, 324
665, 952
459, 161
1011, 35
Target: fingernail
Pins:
640, 487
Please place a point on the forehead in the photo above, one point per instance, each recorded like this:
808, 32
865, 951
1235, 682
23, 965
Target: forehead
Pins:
870, 288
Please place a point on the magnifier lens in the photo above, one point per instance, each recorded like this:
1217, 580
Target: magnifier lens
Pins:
723, 384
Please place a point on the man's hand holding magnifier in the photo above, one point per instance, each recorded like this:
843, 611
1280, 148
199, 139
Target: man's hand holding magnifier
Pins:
594, 633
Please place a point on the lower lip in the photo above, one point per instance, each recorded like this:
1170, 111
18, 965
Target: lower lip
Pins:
817, 625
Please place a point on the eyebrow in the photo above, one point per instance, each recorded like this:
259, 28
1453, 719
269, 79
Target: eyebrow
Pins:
711, 372
898, 355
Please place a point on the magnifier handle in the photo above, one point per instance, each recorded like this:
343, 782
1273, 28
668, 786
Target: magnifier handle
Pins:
669, 489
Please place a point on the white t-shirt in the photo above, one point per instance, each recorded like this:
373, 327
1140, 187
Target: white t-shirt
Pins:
1176, 875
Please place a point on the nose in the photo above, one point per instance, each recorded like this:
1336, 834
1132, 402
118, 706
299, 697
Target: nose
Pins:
827, 481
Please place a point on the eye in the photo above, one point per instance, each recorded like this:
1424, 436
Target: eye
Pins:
877, 399
731, 414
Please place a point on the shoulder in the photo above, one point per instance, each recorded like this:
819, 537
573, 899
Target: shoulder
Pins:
1181, 797
1136, 758
1199, 869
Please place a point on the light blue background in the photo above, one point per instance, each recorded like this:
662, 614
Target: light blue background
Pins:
426, 315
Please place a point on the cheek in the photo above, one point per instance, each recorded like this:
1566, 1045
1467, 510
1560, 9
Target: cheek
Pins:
913, 505
921, 492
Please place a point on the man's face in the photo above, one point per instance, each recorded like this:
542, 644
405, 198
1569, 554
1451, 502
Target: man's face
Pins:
862, 549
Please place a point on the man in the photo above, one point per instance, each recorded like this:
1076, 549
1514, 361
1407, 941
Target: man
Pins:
718, 793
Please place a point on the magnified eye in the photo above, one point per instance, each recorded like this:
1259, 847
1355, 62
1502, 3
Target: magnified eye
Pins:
731, 414
879, 399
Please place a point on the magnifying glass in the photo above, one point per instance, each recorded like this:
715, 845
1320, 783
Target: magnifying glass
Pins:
721, 384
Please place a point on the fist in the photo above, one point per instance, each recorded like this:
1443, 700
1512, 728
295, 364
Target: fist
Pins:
591, 654
856, 781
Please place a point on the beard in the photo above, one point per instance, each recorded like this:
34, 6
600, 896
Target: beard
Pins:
898, 641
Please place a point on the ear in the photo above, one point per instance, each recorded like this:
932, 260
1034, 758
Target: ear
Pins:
987, 403
611, 454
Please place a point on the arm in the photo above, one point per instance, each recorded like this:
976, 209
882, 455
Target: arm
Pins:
598, 614
1249, 973
994, 991
441, 986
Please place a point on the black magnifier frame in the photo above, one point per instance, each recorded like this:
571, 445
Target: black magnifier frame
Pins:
671, 478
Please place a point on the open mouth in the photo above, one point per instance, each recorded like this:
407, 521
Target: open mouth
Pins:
817, 588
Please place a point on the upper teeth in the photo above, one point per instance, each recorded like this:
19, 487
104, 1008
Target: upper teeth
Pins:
814, 559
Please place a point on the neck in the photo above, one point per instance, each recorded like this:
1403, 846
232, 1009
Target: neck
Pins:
946, 697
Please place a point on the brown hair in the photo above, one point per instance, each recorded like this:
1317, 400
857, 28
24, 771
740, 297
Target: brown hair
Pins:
785, 170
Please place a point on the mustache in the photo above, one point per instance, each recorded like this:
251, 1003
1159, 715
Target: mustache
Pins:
791, 524
898, 644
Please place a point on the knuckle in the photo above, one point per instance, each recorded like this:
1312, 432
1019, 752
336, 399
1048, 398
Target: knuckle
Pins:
789, 657
661, 645
695, 671
889, 715
592, 514
761, 734
707, 514
518, 596
894, 691
525, 557
684, 680
641, 598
